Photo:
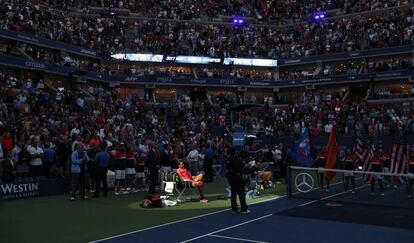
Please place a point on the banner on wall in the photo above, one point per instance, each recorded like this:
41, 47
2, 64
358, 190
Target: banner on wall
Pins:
33, 188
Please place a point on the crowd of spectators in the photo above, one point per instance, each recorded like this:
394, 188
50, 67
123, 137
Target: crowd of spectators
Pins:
39, 132
31, 120
340, 35
161, 71
405, 91
113, 34
100, 33
353, 67
352, 6
56, 58
54, 125
367, 66
235, 73
321, 111
277, 11
298, 73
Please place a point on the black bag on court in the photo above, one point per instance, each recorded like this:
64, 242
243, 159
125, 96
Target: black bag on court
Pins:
151, 201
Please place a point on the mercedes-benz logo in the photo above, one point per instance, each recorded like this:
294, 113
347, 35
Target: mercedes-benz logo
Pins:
304, 182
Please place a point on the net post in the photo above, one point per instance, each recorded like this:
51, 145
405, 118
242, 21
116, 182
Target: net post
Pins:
289, 181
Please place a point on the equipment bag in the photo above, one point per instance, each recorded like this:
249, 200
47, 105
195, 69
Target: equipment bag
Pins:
152, 201
170, 176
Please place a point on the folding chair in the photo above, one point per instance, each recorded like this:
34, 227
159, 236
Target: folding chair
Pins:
180, 186
166, 178
216, 170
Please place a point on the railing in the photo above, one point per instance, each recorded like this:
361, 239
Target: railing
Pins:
27, 38
189, 81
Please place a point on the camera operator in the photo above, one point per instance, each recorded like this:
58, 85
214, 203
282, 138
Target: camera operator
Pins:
235, 168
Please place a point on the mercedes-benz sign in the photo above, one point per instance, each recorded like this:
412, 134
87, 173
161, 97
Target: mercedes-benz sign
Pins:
304, 182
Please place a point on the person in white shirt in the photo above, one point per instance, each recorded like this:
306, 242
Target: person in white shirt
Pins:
19, 155
75, 131
192, 158
328, 128
36, 154
277, 153
80, 102
78, 139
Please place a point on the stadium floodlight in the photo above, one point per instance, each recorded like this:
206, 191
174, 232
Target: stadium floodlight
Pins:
238, 21
319, 16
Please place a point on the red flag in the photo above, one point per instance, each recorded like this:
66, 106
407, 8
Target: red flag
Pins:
330, 155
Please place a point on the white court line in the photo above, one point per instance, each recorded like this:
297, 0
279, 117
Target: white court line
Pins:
181, 220
334, 195
235, 238
263, 217
227, 228
188, 219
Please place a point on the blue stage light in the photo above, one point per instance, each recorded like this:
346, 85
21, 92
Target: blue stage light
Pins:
319, 16
238, 21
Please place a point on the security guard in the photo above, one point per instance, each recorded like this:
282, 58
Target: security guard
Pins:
235, 168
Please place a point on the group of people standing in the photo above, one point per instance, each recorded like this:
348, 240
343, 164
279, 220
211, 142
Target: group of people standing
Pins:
379, 161
134, 167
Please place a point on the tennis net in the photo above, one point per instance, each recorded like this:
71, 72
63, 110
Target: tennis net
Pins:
370, 198
351, 186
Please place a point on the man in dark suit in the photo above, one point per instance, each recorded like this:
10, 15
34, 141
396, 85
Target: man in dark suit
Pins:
235, 166
153, 165
9, 169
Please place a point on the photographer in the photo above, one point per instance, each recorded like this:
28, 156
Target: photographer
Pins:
235, 168
79, 160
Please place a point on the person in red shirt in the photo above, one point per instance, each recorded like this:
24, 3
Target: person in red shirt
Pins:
94, 142
377, 161
120, 165
196, 181
350, 160
131, 157
140, 173
7, 143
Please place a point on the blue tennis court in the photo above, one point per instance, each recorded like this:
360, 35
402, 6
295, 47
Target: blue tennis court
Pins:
335, 216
